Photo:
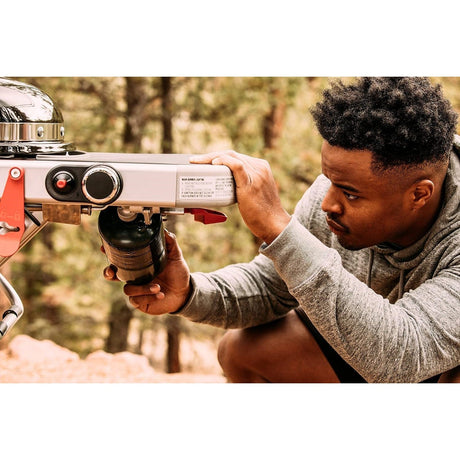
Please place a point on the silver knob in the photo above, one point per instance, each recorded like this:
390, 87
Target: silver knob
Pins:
101, 184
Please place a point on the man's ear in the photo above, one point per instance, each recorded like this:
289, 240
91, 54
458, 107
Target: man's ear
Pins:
421, 193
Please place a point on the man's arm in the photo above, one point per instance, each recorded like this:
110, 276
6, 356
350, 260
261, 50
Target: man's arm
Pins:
256, 192
238, 296
410, 340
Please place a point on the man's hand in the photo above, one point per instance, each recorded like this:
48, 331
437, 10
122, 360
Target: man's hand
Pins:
168, 292
256, 192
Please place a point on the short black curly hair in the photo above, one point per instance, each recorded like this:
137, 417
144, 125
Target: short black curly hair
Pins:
403, 121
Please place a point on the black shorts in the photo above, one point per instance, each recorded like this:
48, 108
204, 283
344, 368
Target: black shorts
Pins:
345, 373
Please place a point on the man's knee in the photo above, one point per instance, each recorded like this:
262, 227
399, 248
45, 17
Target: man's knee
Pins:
234, 354
280, 351
452, 376
245, 348
262, 353
226, 348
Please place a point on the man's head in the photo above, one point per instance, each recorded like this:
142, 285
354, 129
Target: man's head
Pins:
388, 140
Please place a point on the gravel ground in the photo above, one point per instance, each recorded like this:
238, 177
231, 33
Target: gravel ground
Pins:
27, 360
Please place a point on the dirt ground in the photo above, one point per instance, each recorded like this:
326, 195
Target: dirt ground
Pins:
26, 360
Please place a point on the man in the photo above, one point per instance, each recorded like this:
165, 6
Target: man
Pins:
362, 283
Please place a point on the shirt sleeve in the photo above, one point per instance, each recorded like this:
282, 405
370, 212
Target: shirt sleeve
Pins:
413, 339
238, 296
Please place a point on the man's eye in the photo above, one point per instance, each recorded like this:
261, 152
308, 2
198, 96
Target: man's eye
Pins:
350, 197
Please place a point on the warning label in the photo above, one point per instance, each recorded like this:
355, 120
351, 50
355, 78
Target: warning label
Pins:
206, 188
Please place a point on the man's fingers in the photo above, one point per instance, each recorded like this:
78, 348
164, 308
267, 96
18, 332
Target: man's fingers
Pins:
173, 250
142, 303
208, 158
242, 170
110, 273
149, 304
241, 166
141, 290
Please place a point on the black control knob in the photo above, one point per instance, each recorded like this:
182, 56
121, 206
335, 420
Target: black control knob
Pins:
63, 182
101, 184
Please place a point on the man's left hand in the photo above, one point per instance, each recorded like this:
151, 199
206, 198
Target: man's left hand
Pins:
256, 192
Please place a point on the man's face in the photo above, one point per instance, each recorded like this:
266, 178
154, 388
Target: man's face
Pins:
363, 208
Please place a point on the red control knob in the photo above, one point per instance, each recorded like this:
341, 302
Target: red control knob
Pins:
63, 182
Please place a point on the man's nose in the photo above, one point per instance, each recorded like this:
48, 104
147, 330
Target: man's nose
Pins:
331, 204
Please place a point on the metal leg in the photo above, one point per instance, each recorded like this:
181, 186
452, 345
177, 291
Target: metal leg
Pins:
15, 310
33, 224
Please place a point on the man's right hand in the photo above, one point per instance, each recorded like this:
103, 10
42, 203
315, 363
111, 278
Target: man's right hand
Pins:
169, 291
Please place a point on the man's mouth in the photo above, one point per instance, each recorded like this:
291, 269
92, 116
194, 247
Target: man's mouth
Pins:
335, 226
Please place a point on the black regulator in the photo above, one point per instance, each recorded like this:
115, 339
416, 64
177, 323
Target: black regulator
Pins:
133, 244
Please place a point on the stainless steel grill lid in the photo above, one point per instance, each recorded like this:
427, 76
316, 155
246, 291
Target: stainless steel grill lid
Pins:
30, 122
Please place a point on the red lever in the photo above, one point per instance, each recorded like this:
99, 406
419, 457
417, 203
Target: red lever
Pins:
12, 213
206, 216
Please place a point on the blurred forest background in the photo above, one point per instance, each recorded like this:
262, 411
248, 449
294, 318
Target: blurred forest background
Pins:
59, 273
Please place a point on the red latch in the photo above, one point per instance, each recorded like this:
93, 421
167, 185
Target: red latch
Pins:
12, 213
206, 216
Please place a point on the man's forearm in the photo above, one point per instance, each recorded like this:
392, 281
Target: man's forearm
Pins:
238, 296
382, 341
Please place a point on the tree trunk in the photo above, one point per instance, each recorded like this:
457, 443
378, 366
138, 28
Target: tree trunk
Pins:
173, 352
135, 121
120, 317
166, 115
135, 115
172, 323
140, 341
274, 121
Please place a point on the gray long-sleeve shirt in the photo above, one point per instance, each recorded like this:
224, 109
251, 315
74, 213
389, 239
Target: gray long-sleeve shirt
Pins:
393, 315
